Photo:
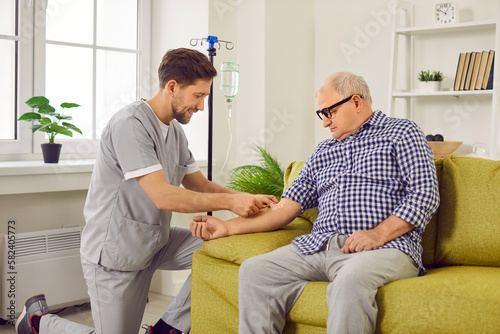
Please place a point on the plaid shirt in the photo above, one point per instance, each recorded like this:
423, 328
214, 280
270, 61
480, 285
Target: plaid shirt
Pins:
385, 168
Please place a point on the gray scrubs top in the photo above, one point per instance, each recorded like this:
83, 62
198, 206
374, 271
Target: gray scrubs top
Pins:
124, 228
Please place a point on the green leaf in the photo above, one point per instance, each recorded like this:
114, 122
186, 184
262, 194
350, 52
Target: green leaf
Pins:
30, 116
69, 105
54, 127
60, 117
47, 109
72, 127
45, 120
66, 133
40, 127
36, 127
37, 101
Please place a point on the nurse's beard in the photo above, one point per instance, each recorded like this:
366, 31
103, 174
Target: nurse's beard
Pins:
181, 118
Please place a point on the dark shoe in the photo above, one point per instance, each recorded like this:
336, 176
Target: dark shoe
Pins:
149, 330
175, 331
34, 306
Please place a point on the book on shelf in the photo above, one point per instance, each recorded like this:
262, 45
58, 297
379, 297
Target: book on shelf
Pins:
475, 70
460, 69
465, 70
482, 70
488, 73
470, 70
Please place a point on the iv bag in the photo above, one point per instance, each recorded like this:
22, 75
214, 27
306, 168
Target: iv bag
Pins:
229, 81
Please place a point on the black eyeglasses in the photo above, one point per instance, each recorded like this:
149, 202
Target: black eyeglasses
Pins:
327, 112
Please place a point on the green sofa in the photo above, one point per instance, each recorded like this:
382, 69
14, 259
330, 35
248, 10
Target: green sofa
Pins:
459, 294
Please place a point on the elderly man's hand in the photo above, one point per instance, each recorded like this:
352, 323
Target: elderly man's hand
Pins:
362, 241
208, 228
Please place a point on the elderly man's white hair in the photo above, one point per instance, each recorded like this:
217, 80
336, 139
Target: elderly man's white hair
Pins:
346, 84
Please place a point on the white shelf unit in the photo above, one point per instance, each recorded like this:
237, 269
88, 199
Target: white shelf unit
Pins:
403, 27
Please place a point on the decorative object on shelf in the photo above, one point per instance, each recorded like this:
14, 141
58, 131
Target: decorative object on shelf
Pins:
440, 147
444, 148
446, 13
50, 122
430, 82
479, 150
266, 178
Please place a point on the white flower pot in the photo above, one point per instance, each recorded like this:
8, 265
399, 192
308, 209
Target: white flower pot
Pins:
430, 86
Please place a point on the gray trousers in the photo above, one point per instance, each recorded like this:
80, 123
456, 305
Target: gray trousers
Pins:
118, 298
269, 285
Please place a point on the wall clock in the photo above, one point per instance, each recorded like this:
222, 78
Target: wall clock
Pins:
445, 13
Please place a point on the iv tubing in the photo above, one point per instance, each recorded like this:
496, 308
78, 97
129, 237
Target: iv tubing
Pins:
229, 106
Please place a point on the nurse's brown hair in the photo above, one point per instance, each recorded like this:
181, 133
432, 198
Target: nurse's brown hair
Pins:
185, 66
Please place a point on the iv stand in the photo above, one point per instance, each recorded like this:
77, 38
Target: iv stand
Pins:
211, 54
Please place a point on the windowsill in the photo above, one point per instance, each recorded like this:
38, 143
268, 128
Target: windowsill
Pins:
22, 177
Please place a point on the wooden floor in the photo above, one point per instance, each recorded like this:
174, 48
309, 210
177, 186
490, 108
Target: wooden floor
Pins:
154, 310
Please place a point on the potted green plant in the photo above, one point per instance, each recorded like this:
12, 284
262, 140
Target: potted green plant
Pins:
430, 81
264, 178
50, 122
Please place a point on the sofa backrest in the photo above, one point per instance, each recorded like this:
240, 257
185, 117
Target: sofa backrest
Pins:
468, 231
429, 237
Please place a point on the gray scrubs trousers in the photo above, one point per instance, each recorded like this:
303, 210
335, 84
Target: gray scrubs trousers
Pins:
118, 298
269, 285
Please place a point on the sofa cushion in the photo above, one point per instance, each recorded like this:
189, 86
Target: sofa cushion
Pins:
469, 219
311, 307
291, 173
458, 299
238, 248
214, 295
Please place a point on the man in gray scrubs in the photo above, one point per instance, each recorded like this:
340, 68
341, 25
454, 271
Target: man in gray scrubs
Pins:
142, 161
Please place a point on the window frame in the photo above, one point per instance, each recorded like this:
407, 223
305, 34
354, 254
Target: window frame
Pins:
24, 83
31, 79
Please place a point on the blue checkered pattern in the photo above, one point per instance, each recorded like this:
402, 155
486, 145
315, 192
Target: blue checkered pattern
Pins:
385, 168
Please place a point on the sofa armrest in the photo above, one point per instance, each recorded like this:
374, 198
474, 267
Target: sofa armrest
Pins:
238, 248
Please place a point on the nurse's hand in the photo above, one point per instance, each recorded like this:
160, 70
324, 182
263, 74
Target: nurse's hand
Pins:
208, 228
245, 205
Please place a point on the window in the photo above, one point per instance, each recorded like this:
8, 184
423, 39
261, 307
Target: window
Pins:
83, 52
9, 39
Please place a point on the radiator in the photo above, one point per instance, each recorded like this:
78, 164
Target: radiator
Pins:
45, 262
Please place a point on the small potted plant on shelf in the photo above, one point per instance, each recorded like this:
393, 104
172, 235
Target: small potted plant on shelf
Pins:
430, 81
50, 122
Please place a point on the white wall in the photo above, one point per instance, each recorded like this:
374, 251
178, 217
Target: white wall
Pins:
274, 43
42, 211
340, 45
173, 25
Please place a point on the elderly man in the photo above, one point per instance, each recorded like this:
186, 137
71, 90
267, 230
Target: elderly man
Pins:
374, 183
